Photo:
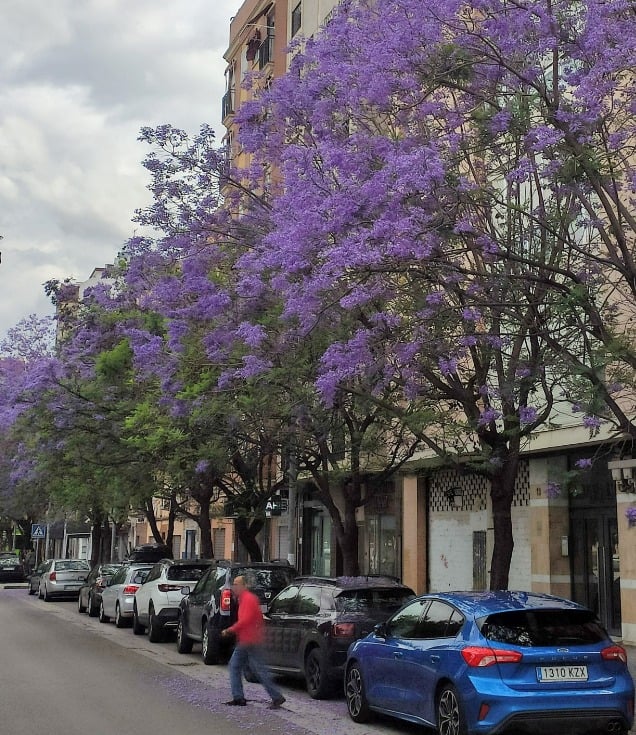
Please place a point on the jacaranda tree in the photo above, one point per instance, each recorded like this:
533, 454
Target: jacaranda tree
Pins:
447, 162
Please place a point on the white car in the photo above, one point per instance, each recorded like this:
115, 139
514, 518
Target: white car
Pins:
118, 596
156, 605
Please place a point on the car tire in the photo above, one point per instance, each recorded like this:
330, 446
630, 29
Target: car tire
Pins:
184, 644
40, 593
91, 607
46, 596
138, 628
450, 716
103, 618
120, 620
80, 608
357, 704
211, 646
155, 629
318, 685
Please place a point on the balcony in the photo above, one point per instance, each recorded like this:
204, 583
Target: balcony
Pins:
266, 52
227, 105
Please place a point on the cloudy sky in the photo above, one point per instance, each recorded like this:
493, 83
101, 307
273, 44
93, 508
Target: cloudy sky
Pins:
78, 79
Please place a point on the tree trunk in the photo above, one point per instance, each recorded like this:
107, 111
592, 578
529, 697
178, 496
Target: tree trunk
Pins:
347, 537
247, 536
152, 522
96, 537
207, 550
501, 497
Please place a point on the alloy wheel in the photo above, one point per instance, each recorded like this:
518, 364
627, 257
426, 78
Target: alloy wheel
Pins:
449, 720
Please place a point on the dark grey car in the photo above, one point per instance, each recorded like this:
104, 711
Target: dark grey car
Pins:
311, 624
90, 594
210, 607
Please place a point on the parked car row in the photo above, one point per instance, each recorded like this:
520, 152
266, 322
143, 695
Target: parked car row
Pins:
460, 662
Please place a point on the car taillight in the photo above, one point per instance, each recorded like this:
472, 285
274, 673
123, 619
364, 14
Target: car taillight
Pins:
53, 576
614, 653
343, 630
226, 600
483, 656
130, 589
169, 587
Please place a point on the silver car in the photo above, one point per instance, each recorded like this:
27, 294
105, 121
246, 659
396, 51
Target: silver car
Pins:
119, 594
62, 578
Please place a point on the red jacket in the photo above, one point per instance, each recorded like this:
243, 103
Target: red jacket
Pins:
248, 628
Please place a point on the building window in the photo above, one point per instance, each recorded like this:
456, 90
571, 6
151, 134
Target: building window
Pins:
266, 50
296, 19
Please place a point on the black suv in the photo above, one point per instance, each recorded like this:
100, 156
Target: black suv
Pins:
310, 625
150, 553
211, 606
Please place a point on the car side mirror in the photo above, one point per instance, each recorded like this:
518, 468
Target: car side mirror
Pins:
185, 590
380, 630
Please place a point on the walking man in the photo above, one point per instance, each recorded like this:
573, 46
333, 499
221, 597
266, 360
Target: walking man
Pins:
248, 630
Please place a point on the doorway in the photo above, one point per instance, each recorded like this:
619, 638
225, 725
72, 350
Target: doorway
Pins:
596, 565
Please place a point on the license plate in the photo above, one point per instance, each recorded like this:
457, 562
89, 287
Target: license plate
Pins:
546, 674
70, 586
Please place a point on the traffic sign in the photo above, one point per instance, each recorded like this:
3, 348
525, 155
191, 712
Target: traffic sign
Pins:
38, 530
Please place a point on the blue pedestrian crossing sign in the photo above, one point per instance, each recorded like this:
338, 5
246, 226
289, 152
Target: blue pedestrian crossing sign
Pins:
38, 530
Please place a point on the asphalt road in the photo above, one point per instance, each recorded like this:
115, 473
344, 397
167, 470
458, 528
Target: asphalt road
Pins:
63, 673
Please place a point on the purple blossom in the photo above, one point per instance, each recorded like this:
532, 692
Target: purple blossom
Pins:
591, 422
488, 416
630, 514
583, 464
553, 489
527, 415
202, 466
436, 298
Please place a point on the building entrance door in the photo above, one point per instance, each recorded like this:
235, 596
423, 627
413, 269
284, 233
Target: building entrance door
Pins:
596, 565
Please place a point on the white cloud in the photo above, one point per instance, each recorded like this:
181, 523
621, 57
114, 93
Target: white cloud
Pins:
78, 79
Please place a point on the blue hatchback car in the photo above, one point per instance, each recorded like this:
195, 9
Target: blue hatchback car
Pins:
492, 662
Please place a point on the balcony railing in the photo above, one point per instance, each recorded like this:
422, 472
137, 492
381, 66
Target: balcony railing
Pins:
227, 104
266, 52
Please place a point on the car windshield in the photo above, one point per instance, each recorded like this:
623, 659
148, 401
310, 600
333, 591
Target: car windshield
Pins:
186, 573
543, 627
363, 600
71, 566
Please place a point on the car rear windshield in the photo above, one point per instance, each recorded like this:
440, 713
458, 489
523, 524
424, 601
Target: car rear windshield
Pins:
363, 600
71, 566
271, 579
186, 573
8, 561
543, 628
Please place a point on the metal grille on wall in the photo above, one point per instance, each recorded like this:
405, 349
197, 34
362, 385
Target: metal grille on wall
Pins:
473, 490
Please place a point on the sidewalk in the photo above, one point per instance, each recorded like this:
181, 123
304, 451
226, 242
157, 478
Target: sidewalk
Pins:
631, 659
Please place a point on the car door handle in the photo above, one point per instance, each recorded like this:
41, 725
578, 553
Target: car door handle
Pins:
397, 654
435, 659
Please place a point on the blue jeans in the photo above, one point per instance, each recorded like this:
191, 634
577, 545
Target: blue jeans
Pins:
251, 655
